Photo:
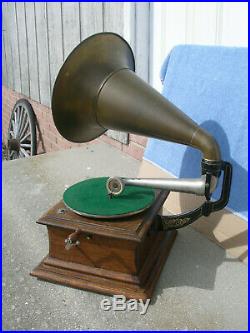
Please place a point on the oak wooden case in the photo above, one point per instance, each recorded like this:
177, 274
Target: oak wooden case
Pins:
119, 256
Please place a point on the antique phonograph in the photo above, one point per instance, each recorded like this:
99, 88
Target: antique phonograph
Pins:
108, 234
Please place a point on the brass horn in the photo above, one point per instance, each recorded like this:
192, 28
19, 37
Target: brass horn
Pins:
96, 89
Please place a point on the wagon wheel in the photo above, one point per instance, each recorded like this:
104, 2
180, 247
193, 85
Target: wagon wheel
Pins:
22, 131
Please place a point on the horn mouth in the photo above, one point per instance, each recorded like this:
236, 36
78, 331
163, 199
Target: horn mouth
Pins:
78, 82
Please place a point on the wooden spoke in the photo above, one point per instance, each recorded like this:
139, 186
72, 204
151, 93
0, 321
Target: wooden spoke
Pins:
14, 127
12, 154
21, 154
24, 152
22, 124
26, 125
22, 131
25, 145
25, 137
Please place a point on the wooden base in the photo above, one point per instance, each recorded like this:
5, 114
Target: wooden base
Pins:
123, 257
103, 281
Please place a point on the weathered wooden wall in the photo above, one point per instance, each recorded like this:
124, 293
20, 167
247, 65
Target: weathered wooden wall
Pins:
38, 36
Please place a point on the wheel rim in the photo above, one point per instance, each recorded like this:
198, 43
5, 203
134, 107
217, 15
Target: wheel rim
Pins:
20, 138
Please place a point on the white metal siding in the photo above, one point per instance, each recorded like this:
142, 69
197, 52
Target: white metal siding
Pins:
209, 23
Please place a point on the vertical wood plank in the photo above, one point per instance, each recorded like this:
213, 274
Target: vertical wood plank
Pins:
156, 44
55, 39
71, 26
113, 21
4, 57
129, 21
23, 48
142, 40
91, 18
43, 52
14, 46
113, 17
32, 51
7, 28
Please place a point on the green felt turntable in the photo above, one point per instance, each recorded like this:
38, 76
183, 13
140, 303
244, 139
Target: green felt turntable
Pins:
90, 198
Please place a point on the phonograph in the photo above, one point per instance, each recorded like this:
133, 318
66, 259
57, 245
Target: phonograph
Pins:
108, 234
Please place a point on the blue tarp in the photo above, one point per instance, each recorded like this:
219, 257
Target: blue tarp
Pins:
210, 85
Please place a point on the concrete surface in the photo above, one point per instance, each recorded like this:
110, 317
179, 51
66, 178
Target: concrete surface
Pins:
200, 287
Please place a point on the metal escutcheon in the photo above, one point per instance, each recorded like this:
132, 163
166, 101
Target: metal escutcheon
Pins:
72, 240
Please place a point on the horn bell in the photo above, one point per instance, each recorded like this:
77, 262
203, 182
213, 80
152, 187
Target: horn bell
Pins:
79, 80
97, 89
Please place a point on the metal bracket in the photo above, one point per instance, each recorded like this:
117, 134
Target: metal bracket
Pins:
182, 220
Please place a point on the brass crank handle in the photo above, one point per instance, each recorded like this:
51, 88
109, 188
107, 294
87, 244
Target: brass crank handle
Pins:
72, 240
